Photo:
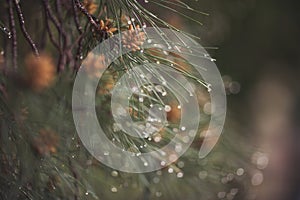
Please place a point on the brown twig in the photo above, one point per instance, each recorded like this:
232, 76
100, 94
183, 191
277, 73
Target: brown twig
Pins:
51, 15
51, 36
23, 28
66, 38
61, 32
86, 13
76, 19
12, 27
81, 37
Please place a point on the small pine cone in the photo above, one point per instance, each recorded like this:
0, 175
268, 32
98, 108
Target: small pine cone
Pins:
39, 72
133, 39
107, 26
90, 6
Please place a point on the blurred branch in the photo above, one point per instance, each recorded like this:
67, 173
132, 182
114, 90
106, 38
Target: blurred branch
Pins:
75, 176
61, 32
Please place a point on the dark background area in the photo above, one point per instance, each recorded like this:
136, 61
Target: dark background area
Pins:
258, 46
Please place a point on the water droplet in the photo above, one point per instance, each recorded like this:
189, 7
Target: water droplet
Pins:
209, 89
221, 195
158, 194
170, 170
240, 172
168, 108
230, 177
179, 175
180, 164
156, 180
114, 189
262, 161
114, 173
257, 179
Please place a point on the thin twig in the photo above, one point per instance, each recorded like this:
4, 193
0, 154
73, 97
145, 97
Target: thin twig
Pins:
63, 35
76, 19
23, 28
86, 13
62, 41
65, 38
79, 29
51, 15
5, 30
51, 36
12, 27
